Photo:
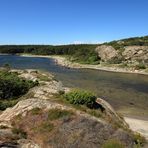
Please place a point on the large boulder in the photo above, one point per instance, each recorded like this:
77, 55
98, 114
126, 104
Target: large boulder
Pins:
136, 53
107, 53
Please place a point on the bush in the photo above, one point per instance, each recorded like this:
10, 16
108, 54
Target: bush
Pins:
7, 103
113, 144
81, 97
139, 140
140, 66
116, 60
86, 56
12, 86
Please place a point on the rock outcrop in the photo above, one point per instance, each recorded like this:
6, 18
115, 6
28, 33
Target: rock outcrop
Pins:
82, 130
136, 53
107, 53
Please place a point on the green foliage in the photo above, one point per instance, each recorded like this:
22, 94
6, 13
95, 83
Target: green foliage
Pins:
44, 78
86, 56
19, 132
7, 103
12, 86
36, 111
139, 140
115, 60
113, 144
81, 97
140, 66
54, 114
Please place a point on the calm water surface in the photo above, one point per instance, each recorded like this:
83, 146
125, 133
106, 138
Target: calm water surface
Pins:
128, 93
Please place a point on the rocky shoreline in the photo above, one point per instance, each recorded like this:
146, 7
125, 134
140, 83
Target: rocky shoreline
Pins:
63, 61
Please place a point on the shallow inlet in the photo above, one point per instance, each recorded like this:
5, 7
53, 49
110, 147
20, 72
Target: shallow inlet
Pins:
127, 93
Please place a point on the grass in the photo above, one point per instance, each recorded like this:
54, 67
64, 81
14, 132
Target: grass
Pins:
44, 78
36, 111
112, 143
54, 114
44, 127
95, 113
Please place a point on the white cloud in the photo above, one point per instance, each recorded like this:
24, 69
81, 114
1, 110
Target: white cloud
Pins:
88, 42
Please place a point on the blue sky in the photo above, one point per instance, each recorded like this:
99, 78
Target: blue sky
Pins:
71, 21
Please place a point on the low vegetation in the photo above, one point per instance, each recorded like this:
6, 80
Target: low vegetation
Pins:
113, 144
36, 111
140, 66
19, 132
7, 103
39, 123
81, 97
139, 140
12, 87
54, 114
135, 41
44, 127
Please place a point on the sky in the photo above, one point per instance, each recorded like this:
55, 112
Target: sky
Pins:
71, 21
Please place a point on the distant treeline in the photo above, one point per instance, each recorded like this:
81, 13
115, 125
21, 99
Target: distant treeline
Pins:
83, 53
80, 53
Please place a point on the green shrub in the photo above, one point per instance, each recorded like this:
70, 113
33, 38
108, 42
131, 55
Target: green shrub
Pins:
12, 86
85, 56
7, 103
140, 66
113, 144
81, 97
116, 60
54, 114
139, 140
